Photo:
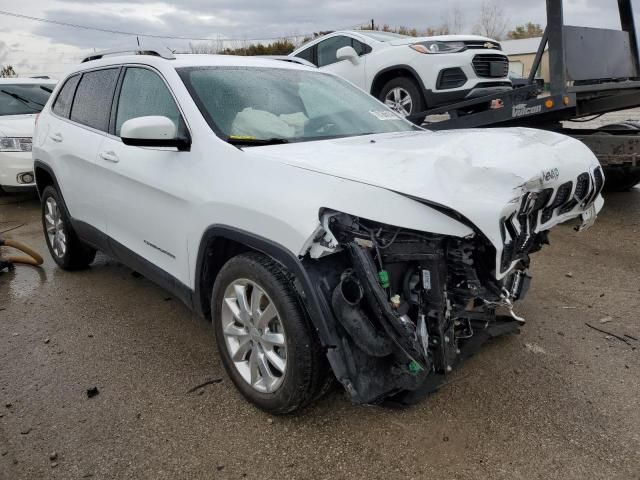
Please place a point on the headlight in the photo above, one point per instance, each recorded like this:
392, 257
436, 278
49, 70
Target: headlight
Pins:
438, 47
13, 144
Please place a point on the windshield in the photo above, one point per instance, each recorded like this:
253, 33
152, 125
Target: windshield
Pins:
20, 99
249, 105
382, 36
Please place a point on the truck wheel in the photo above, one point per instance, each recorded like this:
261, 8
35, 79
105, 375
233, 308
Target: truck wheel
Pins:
402, 95
621, 178
265, 339
67, 250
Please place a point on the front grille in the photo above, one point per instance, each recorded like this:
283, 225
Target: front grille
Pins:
491, 65
451, 78
519, 230
582, 186
599, 179
562, 196
482, 44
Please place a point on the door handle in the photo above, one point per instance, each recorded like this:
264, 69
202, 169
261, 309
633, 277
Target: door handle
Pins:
109, 156
56, 137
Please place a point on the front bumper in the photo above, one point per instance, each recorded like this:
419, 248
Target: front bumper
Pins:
14, 164
442, 97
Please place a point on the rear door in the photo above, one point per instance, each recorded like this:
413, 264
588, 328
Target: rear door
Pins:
76, 129
144, 188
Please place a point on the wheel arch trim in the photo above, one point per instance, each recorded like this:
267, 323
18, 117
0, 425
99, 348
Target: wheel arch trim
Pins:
401, 67
273, 250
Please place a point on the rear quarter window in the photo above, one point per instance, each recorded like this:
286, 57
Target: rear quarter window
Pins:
62, 105
94, 95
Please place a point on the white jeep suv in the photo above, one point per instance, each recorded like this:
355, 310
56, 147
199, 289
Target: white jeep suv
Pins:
411, 74
21, 99
322, 234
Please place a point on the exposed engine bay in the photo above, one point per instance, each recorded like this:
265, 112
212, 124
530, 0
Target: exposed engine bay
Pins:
410, 305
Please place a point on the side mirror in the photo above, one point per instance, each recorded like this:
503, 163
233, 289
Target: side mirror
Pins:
152, 131
348, 53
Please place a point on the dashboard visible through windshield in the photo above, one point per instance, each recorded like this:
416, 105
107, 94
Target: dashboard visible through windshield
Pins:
251, 105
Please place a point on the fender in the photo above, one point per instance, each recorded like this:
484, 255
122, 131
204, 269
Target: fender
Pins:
277, 252
398, 67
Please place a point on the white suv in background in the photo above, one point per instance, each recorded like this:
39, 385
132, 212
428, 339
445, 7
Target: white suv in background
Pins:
310, 223
21, 99
411, 74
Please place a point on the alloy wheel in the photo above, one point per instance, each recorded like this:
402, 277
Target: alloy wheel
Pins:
55, 228
399, 100
254, 335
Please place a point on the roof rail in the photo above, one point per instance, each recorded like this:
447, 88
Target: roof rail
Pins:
135, 51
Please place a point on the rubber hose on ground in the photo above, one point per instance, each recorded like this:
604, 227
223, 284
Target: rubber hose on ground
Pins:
33, 258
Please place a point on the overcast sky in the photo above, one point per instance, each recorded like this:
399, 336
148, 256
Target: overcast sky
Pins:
36, 47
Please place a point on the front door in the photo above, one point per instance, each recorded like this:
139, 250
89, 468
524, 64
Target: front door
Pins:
146, 192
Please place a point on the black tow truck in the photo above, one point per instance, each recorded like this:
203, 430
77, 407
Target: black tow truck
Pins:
593, 71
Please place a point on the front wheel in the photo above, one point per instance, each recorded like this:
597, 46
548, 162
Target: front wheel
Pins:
402, 95
267, 344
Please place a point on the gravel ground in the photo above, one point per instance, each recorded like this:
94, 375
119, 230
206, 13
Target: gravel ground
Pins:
558, 401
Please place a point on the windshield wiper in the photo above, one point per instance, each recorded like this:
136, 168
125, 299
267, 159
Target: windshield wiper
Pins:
26, 101
250, 141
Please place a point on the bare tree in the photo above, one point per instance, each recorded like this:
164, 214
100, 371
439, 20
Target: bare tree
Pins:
7, 72
453, 20
492, 22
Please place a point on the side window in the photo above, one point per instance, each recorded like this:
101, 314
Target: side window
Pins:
62, 105
360, 48
144, 93
307, 54
327, 49
92, 103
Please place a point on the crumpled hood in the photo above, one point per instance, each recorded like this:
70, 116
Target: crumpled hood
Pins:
17, 125
481, 174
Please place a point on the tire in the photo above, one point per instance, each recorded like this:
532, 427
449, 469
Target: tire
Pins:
620, 178
405, 87
290, 370
67, 250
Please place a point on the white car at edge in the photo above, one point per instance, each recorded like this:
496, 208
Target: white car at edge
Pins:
411, 74
323, 235
20, 101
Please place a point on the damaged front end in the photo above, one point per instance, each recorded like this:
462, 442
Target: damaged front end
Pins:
408, 306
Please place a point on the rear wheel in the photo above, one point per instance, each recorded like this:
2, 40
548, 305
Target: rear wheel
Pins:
403, 95
266, 342
68, 251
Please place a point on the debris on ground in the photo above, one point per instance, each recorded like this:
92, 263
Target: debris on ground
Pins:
568, 275
606, 320
612, 335
25, 431
532, 347
53, 456
208, 382
92, 392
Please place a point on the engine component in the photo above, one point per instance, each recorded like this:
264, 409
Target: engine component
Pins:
346, 305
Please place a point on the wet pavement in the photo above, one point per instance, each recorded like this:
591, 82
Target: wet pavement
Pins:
561, 400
